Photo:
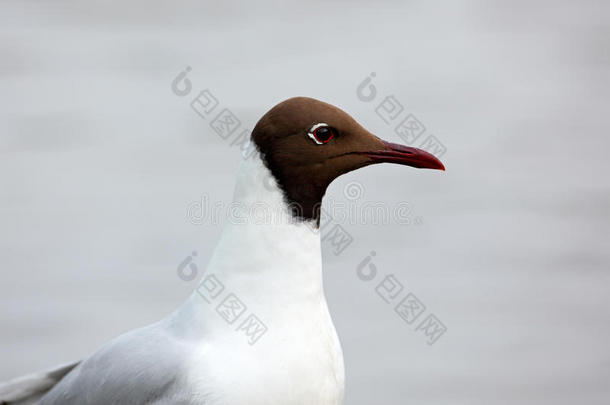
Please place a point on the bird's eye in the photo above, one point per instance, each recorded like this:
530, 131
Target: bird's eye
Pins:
321, 133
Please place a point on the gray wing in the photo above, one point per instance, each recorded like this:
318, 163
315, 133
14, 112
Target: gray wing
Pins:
145, 366
30, 388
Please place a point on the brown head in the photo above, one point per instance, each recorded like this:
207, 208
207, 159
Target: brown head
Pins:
307, 143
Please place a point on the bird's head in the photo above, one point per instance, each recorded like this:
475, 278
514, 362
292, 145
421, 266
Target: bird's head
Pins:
307, 143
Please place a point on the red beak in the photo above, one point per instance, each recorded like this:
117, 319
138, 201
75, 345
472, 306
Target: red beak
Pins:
405, 155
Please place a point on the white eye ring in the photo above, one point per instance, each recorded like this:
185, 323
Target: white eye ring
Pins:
312, 131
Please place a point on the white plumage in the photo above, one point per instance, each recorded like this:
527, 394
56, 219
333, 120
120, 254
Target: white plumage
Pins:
194, 356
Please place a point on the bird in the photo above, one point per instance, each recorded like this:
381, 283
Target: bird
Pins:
257, 328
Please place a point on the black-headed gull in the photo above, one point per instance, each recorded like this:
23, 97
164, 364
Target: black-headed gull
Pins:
282, 347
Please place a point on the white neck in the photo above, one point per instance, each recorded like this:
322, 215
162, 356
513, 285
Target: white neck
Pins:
265, 256
262, 240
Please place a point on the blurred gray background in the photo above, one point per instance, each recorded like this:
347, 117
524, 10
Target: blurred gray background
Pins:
99, 161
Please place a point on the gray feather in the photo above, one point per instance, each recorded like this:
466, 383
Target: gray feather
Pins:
28, 389
145, 366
